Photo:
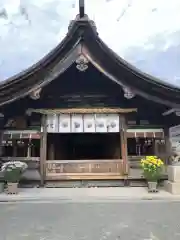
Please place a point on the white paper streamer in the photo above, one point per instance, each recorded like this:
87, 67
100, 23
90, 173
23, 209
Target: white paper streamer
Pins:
113, 123
100, 120
89, 123
76, 123
52, 123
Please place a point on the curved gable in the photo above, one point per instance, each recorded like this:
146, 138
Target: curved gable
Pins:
82, 40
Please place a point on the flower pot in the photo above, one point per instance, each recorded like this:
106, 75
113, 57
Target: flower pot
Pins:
1, 187
12, 188
152, 187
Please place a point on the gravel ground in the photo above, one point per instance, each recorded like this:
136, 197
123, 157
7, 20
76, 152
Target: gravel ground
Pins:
138, 220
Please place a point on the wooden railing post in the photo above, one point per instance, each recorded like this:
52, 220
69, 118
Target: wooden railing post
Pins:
43, 149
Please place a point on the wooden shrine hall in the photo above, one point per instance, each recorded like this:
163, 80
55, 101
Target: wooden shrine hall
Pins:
83, 113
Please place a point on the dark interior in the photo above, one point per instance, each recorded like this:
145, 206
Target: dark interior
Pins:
140, 146
84, 146
19, 148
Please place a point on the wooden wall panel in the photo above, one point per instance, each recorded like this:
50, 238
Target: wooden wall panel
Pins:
82, 168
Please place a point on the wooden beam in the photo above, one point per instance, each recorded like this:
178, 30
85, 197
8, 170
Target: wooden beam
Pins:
84, 110
43, 150
170, 111
69, 177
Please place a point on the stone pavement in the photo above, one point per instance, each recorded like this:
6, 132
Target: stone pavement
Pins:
87, 194
124, 220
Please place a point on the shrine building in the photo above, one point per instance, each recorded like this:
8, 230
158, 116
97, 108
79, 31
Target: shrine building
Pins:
82, 113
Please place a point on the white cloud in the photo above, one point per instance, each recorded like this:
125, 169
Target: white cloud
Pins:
146, 33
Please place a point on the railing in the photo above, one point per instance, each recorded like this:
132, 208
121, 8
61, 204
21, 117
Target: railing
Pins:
84, 169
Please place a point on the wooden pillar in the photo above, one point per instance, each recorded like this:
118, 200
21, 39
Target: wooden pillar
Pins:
43, 149
14, 149
1, 145
123, 137
168, 146
162, 147
156, 147
1, 135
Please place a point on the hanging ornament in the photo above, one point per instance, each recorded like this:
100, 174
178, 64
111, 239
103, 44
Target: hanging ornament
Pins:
128, 93
82, 63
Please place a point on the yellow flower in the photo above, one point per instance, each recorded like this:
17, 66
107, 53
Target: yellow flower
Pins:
151, 163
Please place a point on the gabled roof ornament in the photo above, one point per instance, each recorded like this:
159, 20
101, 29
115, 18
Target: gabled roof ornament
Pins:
82, 17
85, 18
128, 93
35, 94
81, 8
177, 112
82, 63
29, 112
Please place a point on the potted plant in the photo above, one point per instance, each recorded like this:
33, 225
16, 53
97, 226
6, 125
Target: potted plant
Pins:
12, 172
152, 169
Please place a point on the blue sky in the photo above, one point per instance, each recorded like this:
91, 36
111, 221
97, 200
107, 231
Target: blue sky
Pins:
145, 33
